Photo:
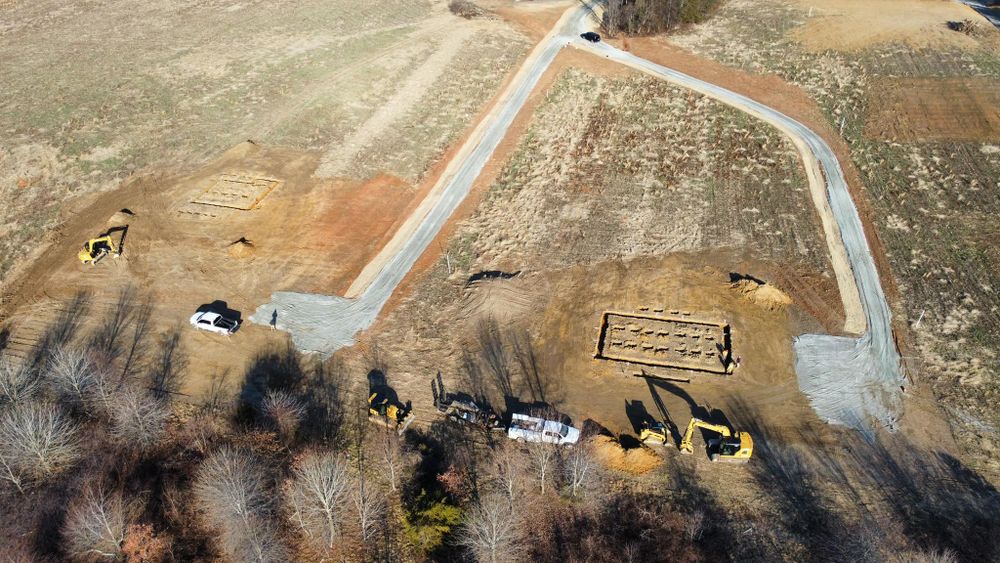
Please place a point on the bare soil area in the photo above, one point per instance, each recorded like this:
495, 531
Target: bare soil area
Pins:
853, 25
307, 234
510, 309
929, 109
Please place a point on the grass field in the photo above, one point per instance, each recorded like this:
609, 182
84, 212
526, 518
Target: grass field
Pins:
649, 169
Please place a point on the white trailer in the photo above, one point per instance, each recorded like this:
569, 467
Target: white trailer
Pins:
526, 428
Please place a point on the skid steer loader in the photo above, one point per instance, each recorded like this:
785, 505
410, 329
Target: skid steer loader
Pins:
387, 412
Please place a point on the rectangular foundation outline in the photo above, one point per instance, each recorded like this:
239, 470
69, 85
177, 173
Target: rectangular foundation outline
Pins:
271, 184
599, 353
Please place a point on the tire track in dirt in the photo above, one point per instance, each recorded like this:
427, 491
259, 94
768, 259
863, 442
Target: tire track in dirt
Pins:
410, 91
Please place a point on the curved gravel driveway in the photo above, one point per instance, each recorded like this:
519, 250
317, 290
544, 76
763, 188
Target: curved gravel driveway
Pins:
853, 381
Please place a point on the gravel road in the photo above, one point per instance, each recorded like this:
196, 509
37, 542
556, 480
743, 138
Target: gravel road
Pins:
853, 381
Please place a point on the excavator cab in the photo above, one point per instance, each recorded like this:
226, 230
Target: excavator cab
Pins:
735, 448
97, 248
731, 446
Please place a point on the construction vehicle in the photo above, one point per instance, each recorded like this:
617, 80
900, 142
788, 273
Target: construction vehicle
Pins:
97, 248
524, 428
654, 432
467, 411
385, 411
732, 446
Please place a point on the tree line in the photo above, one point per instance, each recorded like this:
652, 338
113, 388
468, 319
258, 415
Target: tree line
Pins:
649, 17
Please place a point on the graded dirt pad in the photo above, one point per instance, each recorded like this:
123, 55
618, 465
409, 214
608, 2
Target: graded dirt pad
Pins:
497, 298
852, 25
637, 461
934, 109
306, 235
546, 352
395, 82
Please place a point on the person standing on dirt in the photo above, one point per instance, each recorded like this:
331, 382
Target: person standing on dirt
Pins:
274, 319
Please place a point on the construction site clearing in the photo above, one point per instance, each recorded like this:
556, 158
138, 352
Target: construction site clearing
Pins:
253, 221
257, 220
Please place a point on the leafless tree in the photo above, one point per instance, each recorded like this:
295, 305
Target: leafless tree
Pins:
318, 495
933, 556
231, 491
103, 392
36, 441
392, 458
543, 459
284, 411
579, 468
72, 373
508, 470
369, 506
138, 419
96, 524
18, 382
695, 525
490, 531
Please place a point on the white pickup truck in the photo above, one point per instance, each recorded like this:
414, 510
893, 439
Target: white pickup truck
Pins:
526, 428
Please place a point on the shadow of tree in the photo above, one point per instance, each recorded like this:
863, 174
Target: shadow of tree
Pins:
503, 366
168, 368
65, 327
936, 501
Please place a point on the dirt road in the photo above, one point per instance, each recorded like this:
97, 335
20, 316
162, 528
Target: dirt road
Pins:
849, 380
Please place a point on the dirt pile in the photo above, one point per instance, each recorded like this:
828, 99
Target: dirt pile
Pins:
242, 249
503, 298
121, 218
762, 294
636, 461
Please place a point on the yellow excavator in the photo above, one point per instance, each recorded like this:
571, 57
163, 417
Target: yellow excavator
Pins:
732, 446
389, 413
97, 248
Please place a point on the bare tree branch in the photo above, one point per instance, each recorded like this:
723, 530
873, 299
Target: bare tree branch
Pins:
318, 494
579, 468
96, 524
18, 382
543, 459
72, 373
284, 411
369, 505
490, 531
231, 491
36, 441
137, 418
508, 470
